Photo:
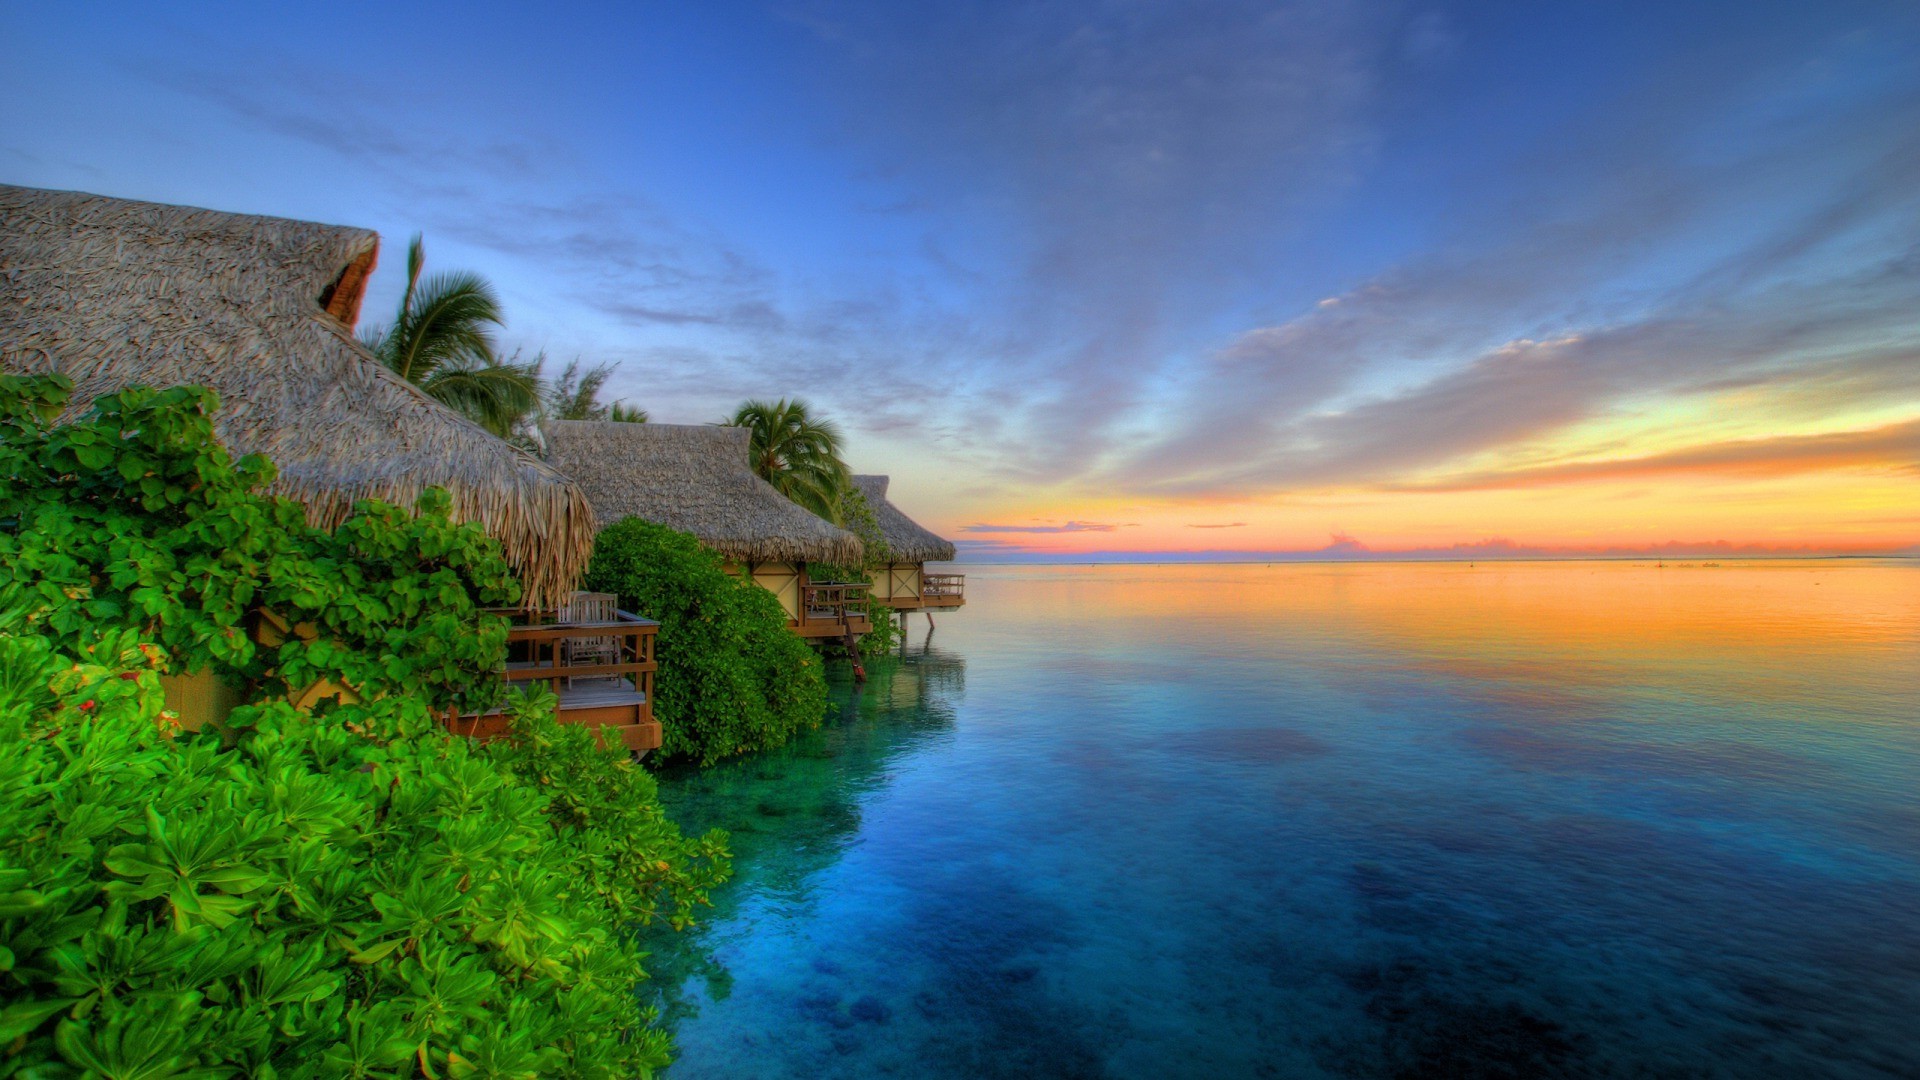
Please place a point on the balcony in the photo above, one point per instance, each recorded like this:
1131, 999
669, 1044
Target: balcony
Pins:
833, 609
600, 664
943, 590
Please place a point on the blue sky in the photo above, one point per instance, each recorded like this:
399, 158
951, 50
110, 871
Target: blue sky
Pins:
1424, 273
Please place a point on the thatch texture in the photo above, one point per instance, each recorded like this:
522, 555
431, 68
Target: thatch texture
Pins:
115, 293
911, 541
694, 478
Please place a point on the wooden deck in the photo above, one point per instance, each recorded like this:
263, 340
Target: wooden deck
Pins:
943, 590
830, 628
833, 609
612, 692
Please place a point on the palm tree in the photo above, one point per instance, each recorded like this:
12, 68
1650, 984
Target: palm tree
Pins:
797, 454
441, 340
575, 395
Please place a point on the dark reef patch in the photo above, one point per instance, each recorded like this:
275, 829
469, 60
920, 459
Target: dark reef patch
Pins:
1424, 1032
1259, 746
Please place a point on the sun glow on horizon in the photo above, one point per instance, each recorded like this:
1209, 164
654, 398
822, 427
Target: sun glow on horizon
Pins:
1856, 494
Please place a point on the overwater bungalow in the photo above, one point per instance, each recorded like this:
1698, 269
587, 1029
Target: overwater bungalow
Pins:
116, 293
696, 478
903, 584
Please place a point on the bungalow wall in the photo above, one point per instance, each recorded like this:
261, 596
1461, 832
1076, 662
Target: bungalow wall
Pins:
784, 580
897, 581
198, 699
202, 698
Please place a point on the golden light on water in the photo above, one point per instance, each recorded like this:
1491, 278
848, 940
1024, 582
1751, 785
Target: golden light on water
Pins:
1589, 617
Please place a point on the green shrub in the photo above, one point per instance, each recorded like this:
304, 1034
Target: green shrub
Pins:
348, 893
134, 516
351, 895
886, 634
733, 678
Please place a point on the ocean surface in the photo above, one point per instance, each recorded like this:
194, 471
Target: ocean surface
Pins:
1496, 820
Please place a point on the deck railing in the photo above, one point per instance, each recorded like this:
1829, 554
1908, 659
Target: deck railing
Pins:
834, 601
542, 649
943, 585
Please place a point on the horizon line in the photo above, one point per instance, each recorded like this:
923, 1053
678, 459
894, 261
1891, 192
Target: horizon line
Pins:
1298, 559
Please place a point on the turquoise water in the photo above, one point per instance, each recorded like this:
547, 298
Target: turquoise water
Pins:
1563, 819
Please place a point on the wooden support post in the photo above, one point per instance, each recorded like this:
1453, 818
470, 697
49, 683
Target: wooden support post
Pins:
853, 655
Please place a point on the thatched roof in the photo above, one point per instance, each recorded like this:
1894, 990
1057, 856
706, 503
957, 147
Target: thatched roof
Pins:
910, 541
694, 478
115, 293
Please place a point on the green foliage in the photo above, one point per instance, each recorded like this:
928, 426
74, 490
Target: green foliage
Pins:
886, 634
134, 516
441, 340
351, 895
853, 513
732, 677
575, 395
797, 453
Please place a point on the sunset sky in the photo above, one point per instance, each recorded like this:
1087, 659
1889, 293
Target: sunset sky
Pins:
1342, 277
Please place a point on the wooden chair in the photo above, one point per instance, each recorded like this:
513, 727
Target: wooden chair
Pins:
823, 602
590, 607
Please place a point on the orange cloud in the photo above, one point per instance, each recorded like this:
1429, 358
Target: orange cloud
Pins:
1069, 527
1895, 446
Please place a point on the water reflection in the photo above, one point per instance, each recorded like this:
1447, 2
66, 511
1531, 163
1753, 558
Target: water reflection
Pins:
791, 812
1375, 821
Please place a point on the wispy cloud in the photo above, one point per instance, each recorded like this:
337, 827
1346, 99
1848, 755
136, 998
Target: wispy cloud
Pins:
509, 190
1893, 447
1069, 527
1222, 525
1820, 288
1134, 160
693, 316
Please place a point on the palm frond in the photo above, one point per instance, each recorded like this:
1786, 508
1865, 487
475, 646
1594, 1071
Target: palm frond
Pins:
496, 396
451, 320
797, 453
441, 340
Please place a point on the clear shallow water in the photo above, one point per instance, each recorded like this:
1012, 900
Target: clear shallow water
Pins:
1555, 819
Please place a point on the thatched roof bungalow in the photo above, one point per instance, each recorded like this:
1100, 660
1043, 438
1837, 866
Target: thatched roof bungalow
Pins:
116, 293
903, 583
696, 478
907, 539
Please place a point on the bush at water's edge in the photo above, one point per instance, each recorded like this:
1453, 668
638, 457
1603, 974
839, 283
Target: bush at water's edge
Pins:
347, 893
733, 678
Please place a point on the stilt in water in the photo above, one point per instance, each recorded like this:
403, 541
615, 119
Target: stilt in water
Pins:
853, 656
